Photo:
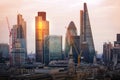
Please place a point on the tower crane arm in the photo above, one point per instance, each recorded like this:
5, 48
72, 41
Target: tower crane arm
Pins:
8, 26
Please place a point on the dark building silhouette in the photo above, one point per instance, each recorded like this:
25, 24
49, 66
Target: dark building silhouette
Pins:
107, 47
4, 50
86, 34
118, 37
116, 51
41, 31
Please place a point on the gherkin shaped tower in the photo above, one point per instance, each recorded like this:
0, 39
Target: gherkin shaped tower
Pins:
71, 31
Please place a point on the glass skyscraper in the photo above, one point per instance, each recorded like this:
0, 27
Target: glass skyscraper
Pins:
41, 31
71, 31
53, 48
19, 42
86, 38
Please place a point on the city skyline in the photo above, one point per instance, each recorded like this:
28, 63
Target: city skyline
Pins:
104, 25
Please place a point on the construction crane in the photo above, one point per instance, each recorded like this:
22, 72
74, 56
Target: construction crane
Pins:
10, 45
79, 54
72, 43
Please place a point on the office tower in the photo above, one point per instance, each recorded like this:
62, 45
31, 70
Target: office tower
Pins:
75, 47
86, 34
19, 32
41, 31
55, 48
115, 55
22, 32
19, 42
107, 52
71, 31
46, 50
116, 51
18, 54
4, 50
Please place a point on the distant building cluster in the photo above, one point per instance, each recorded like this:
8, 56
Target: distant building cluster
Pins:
83, 43
111, 53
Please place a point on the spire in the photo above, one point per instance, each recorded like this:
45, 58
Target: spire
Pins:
85, 7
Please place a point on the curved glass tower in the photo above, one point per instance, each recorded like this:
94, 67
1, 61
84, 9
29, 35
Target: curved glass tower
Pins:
71, 31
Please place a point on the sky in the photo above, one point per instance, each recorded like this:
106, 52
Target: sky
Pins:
104, 18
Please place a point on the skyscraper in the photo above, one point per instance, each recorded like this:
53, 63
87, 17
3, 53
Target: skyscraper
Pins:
41, 31
52, 48
107, 52
19, 42
20, 21
55, 47
115, 53
71, 31
86, 33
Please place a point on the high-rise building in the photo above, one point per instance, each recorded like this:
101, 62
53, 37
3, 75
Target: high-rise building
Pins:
111, 54
20, 21
86, 34
71, 31
46, 50
75, 47
19, 52
116, 51
115, 56
19, 32
107, 47
4, 50
54, 49
41, 31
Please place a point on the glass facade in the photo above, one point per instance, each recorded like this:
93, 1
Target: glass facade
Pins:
41, 31
71, 31
55, 48
86, 34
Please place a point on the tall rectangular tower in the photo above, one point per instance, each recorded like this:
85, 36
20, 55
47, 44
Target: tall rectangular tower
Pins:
86, 33
41, 31
19, 52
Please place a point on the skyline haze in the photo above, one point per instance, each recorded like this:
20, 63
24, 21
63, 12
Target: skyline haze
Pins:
104, 18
